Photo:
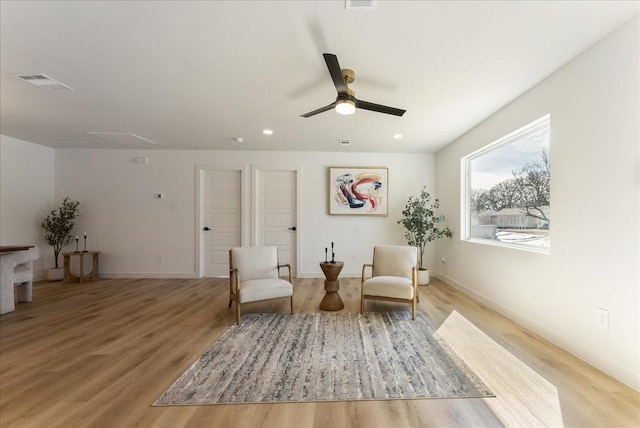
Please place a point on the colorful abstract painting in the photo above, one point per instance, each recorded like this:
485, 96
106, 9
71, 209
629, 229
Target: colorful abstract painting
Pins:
358, 191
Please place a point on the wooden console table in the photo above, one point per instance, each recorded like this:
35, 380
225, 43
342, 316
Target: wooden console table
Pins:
92, 276
331, 300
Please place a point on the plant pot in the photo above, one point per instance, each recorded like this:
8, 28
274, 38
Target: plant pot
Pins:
423, 276
54, 274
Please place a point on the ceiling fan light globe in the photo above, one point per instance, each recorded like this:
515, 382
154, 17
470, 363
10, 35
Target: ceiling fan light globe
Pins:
346, 107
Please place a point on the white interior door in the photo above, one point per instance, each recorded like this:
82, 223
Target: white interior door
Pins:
222, 215
276, 213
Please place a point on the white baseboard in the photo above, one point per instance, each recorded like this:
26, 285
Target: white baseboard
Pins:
105, 275
321, 275
513, 316
178, 275
194, 275
590, 357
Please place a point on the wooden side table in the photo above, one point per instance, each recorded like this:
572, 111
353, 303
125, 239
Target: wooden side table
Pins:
92, 276
331, 300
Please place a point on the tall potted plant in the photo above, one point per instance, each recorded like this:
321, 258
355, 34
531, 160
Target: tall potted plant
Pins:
58, 226
421, 226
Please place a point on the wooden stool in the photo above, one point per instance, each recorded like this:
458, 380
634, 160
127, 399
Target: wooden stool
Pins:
331, 300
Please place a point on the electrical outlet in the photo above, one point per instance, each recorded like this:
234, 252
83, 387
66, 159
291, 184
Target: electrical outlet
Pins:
444, 260
603, 318
160, 258
355, 258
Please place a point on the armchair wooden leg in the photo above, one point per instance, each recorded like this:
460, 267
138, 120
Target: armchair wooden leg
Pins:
413, 310
238, 312
292, 305
362, 305
230, 300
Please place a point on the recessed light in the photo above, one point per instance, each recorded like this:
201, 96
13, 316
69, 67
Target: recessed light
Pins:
397, 136
267, 131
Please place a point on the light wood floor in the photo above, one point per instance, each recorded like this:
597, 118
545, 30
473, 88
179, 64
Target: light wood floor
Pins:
98, 354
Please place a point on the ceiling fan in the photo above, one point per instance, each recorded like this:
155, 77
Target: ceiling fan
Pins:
346, 102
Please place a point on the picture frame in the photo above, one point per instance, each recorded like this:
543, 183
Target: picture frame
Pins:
359, 191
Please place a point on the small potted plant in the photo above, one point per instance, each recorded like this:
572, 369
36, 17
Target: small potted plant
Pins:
58, 226
421, 223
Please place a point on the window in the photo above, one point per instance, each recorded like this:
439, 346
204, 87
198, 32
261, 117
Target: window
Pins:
506, 190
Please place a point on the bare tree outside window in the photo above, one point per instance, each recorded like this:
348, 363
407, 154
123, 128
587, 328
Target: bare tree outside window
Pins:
508, 188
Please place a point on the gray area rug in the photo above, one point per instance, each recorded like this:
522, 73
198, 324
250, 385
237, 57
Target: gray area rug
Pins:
326, 357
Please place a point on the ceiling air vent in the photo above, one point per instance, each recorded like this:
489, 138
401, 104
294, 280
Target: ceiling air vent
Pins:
344, 142
44, 81
121, 137
360, 4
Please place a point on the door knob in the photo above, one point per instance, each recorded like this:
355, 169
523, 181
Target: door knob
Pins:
206, 228
292, 228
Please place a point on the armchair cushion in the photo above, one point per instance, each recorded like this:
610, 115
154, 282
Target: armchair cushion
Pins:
263, 289
388, 286
394, 260
255, 262
23, 273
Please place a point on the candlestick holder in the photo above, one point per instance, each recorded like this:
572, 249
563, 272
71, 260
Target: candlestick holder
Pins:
85, 244
333, 257
326, 260
76, 251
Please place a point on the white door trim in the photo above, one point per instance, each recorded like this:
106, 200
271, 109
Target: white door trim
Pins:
255, 169
200, 171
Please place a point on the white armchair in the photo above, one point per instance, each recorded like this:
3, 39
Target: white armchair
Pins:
23, 273
394, 276
16, 269
254, 276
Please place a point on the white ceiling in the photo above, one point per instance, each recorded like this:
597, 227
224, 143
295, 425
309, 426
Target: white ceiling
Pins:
194, 75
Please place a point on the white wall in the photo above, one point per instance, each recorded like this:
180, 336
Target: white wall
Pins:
26, 196
130, 226
595, 182
593, 102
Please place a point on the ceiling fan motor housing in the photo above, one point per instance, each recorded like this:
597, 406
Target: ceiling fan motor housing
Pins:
348, 75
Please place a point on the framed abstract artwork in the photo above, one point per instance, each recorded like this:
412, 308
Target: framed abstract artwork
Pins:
358, 191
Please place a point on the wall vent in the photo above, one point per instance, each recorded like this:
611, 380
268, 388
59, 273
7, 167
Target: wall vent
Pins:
360, 4
44, 81
344, 142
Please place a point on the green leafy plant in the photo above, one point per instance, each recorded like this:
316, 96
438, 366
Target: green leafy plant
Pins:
59, 224
420, 221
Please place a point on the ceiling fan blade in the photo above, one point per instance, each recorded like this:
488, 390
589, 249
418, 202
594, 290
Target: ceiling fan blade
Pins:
336, 73
320, 110
366, 105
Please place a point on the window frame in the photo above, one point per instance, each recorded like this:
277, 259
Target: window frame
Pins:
465, 184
